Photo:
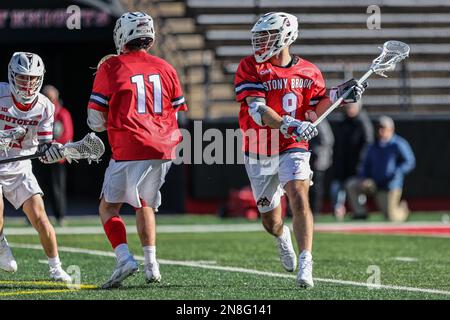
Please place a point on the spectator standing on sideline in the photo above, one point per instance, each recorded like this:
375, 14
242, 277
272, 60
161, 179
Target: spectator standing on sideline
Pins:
382, 173
321, 159
62, 133
352, 136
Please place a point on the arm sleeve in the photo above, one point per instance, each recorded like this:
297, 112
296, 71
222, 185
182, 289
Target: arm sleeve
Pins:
99, 99
178, 101
319, 91
247, 82
97, 120
409, 161
45, 126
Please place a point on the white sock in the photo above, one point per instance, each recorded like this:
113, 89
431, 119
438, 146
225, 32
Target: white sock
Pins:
54, 262
305, 255
285, 230
122, 252
149, 254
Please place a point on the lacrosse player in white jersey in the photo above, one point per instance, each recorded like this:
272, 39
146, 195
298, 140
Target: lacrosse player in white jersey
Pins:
26, 125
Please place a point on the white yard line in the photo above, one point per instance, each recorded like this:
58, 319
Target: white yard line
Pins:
235, 227
406, 259
199, 228
194, 264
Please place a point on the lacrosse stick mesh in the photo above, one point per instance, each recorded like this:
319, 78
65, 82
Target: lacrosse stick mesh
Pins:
392, 53
10, 136
90, 147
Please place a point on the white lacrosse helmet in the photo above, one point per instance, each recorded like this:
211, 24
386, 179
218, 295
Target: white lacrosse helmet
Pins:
25, 75
130, 26
273, 32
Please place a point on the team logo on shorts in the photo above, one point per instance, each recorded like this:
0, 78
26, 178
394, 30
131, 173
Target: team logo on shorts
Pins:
263, 202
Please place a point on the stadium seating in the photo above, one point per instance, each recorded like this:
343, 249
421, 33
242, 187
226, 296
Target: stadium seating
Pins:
205, 39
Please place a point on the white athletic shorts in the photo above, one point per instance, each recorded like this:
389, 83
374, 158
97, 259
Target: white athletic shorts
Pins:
131, 181
18, 183
269, 176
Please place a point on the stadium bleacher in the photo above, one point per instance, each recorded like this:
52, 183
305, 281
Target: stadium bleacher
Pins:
205, 40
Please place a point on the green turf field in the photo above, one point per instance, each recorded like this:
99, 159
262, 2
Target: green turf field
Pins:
237, 265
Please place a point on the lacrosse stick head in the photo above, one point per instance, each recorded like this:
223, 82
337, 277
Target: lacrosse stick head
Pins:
10, 136
90, 148
392, 52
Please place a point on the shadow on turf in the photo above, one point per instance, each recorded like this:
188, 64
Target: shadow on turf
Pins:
170, 286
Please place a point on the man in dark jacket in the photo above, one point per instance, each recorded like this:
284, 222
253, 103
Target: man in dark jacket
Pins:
382, 172
352, 135
321, 159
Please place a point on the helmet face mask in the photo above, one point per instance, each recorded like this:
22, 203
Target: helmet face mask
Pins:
131, 26
264, 41
27, 86
25, 75
272, 33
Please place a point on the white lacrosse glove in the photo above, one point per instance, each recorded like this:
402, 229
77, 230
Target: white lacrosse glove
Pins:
354, 96
53, 153
299, 130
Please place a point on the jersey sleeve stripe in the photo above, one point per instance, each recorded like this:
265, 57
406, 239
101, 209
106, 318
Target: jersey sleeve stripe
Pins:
249, 89
45, 133
99, 95
99, 99
47, 137
178, 102
177, 98
100, 103
249, 86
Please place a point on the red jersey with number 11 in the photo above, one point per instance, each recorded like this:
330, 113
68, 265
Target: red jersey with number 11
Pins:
290, 90
141, 94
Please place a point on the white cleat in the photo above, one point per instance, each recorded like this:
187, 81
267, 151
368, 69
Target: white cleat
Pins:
304, 276
58, 274
7, 261
288, 257
123, 270
152, 273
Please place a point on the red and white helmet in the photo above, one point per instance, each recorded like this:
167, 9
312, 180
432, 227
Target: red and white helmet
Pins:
25, 75
130, 26
273, 32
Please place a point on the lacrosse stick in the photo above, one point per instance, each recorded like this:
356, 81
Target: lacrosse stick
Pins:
90, 148
10, 136
392, 53
103, 60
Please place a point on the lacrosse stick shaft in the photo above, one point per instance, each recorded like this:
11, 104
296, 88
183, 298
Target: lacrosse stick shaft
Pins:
341, 99
21, 158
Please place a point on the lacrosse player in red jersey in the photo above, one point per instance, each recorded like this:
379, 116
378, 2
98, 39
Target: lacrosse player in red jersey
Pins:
135, 98
23, 108
278, 90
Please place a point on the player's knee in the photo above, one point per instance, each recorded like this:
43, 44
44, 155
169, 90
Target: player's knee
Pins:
109, 209
299, 203
42, 224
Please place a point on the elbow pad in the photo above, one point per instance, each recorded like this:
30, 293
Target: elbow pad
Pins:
97, 120
255, 110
